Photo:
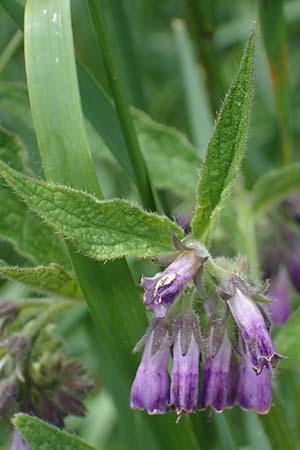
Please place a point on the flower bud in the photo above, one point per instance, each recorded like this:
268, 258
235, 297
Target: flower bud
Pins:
162, 289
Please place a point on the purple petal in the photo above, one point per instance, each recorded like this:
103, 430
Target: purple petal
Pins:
254, 391
280, 309
150, 389
217, 388
184, 386
253, 329
162, 289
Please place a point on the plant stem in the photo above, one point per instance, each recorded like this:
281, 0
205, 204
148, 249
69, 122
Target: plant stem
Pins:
11, 48
137, 160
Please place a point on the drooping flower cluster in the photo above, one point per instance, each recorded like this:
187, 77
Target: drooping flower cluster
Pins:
35, 375
239, 352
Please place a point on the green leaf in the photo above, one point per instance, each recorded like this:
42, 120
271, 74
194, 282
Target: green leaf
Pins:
287, 341
50, 279
31, 238
171, 159
273, 186
102, 230
42, 436
226, 148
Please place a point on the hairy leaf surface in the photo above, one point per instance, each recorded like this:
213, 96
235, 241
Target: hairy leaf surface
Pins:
101, 229
226, 148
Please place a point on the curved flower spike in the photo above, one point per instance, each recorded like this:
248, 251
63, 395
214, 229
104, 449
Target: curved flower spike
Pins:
254, 332
162, 289
150, 389
254, 391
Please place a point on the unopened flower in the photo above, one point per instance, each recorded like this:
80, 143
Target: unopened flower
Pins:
185, 372
150, 389
9, 309
254, 390
219, 378
253, 329
280, 309
162, 289
18, 442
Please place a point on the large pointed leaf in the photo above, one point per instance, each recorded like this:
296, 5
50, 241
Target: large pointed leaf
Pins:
226, 148
101, 229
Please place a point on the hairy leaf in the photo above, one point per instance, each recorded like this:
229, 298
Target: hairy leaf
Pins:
53, 279
42, 436
101, 229
274, 185
226, 148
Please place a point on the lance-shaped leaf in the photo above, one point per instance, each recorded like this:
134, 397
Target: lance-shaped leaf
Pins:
226, 147
42, 436
274, 185
102, 230
53, 279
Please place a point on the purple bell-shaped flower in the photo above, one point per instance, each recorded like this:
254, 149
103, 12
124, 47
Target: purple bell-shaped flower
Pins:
186, 355
151, 386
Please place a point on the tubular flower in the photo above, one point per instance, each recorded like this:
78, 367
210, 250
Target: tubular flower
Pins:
219, 378
253, 329
150, 389
186, 355
162, 289
254, 391
280, 309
